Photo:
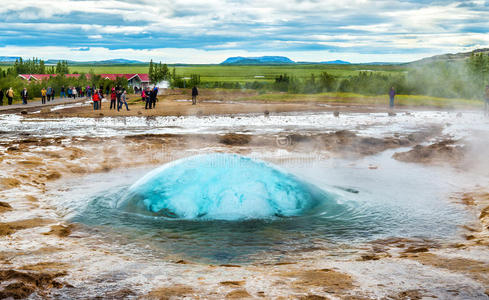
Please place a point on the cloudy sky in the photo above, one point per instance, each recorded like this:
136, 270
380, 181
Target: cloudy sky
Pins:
190, 31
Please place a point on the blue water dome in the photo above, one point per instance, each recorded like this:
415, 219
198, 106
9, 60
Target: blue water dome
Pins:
222, 187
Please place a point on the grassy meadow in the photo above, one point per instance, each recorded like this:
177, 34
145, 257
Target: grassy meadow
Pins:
241, 74
213, 73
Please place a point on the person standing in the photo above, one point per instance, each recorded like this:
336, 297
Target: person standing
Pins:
43, 95
392, 94
195, 93
486, 102
74, 92
48, 93
62, 93
118, 94
10, 96
24, 96
154, 94
96, 99
52, 94
143, 95
147, 94
113, 99
1, 97
123, 101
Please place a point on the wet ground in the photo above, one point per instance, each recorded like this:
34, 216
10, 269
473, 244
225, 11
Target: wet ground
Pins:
415, 184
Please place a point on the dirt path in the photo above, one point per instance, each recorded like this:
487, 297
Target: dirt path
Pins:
36, 105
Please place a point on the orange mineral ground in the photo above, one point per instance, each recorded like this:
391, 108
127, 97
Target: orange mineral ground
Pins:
412, 185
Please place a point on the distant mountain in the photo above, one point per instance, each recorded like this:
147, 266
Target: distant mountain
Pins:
8, 59
55, 61
450, 56
263, 60
117, 61
335, 62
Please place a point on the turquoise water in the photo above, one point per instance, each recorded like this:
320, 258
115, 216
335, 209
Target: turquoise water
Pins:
225, 187
226, 208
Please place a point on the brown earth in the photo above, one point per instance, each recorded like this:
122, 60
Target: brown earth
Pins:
21, 284
238, 294
171, 292
330, 281
97, 155
477, 199
9, 183
442, 152
60, 230
211, 102
4, 206
475, 269
7, 228
232, 283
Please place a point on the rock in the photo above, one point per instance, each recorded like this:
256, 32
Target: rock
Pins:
266, 113
23, 284
238, 294
414, 249
4, 206
23, 112
235, 139
391, 114
53, 175
232, 283
45, 110
443, 151
60, 230
336, 113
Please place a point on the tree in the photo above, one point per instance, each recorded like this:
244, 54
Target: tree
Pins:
42, 67
62, 67
151, 72
158, 73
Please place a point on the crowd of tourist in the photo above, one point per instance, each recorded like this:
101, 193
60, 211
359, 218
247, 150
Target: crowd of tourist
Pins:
149, 96
118, 98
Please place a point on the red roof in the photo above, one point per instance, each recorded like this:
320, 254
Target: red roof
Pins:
42, 76
72, 75
143, 77
25, 76
114, 76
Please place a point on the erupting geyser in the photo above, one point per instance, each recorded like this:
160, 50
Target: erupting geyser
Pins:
223, 187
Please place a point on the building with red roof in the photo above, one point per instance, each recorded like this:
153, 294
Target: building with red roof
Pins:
139, 80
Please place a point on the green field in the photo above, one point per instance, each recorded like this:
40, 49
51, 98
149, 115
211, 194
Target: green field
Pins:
213, 73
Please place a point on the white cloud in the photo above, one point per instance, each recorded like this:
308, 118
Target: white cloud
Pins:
369, 26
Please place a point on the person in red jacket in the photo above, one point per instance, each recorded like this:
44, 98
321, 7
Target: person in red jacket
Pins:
96, 99
113, 98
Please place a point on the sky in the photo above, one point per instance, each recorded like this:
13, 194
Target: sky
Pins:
189, 31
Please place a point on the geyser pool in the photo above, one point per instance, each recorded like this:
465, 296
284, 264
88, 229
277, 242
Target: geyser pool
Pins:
224, 187
395, 200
